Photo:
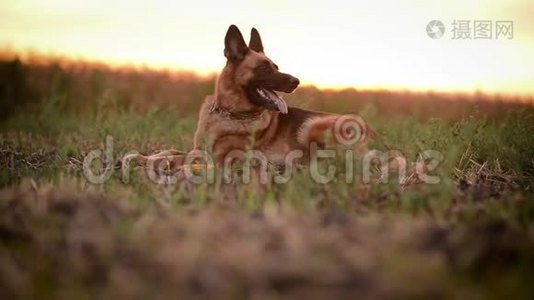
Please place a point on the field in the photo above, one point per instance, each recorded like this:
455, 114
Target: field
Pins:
470, 235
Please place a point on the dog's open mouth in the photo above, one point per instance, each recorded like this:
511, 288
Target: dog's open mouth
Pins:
271, 100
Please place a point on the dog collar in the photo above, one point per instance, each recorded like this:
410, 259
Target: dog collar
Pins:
243, 115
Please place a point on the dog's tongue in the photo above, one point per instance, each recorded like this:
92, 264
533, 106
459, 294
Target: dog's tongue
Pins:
280, 103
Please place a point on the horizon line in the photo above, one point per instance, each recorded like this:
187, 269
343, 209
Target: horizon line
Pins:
32, 55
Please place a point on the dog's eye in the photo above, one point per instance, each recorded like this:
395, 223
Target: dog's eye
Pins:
264, 68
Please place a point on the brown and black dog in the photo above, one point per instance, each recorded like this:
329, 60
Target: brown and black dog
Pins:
246, 112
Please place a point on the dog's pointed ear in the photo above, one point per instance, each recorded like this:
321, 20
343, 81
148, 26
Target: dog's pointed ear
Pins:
255, 41
235, 47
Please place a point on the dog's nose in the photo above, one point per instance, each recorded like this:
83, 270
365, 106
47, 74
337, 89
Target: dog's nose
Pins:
295, 81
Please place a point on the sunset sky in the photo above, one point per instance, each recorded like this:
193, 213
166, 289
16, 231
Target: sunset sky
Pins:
362, 44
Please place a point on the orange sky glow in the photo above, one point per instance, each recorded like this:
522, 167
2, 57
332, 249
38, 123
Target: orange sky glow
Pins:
332, 44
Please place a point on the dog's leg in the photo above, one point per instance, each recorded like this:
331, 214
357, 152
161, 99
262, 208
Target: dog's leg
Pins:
170, 152
230, 147
173, 161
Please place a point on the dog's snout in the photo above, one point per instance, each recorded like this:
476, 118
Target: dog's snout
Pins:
294, 81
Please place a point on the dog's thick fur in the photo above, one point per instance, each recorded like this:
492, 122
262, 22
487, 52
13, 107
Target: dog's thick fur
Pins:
230, 120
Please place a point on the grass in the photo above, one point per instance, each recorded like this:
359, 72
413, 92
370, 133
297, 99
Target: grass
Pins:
470, 235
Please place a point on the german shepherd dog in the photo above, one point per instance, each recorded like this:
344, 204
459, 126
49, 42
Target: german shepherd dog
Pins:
246, 112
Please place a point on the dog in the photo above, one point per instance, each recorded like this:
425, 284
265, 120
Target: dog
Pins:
246, 112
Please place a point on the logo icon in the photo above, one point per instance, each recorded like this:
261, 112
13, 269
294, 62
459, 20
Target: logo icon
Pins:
435, 29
